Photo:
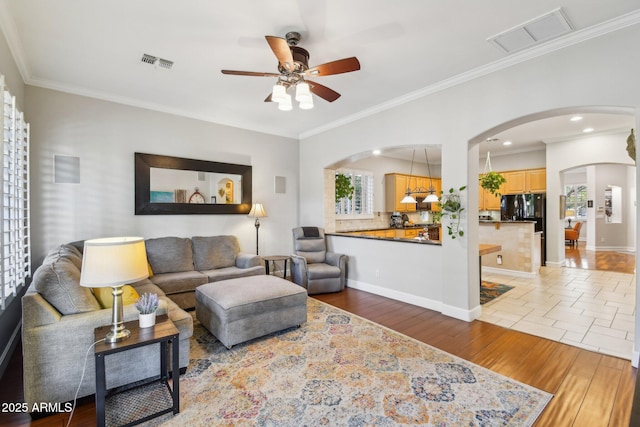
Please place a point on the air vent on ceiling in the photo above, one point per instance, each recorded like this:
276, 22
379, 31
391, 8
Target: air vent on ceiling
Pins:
164, 63
155, 61
541, 29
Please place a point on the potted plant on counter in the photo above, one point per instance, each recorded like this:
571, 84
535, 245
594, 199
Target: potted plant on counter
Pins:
147, 305
451, 205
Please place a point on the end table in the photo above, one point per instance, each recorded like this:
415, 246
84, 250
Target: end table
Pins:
273, 259
163, 332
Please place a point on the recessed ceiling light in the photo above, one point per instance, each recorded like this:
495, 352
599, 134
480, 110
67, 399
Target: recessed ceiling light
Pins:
587, 130
576, 118
376, 152
507, 143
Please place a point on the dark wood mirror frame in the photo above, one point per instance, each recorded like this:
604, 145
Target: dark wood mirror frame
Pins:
143, 164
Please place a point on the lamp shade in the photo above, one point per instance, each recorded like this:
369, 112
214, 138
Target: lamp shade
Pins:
257, 211
408, 199
113, 261
285, 104
303, 93
432, 197
279, 93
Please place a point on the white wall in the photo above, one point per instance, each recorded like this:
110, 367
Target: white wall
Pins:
602, 150
104, 135
525, 160
587, 74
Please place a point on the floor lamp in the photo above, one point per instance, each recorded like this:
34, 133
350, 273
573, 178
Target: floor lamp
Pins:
114, 262
257, 212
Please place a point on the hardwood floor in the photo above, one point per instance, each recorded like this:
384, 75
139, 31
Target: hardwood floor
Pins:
590, 389
579, 257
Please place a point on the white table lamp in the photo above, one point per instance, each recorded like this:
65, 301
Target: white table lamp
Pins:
114, 262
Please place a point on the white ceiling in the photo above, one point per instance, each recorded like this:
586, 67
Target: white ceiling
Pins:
94, 47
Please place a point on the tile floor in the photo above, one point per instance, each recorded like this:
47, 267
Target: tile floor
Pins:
590, 309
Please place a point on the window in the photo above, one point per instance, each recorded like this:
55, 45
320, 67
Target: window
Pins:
576, 201
15, 240
361, 203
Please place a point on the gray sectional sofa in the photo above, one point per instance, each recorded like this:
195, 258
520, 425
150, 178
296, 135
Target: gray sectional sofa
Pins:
59, 316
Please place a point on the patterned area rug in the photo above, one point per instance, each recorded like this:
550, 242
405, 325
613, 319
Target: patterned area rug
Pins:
490, 291
341, 370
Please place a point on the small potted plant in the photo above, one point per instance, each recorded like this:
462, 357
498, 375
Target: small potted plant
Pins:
451, 205
147, 305
492, 181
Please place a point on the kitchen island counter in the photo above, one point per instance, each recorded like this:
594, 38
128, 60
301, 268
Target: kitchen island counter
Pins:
521, 247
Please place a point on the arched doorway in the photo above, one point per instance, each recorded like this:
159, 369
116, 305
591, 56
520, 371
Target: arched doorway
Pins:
562, 153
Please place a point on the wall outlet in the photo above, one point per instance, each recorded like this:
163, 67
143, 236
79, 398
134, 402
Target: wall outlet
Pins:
377, 273
499, 260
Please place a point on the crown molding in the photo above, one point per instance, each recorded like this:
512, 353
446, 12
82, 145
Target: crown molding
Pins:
571, 39
15, 46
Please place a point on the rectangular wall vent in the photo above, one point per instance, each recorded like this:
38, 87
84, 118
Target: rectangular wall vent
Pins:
541, 29
149, 59
156, 61
166, 64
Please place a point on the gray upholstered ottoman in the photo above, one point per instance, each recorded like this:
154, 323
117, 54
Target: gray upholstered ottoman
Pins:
238, 310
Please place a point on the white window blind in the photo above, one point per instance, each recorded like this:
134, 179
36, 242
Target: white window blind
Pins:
15, 239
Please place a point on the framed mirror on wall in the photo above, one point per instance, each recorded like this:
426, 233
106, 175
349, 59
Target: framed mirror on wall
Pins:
167, 185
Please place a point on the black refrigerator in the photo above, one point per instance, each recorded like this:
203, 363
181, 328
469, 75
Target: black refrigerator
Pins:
527, 207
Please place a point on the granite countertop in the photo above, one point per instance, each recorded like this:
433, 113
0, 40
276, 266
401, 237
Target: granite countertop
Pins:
491, 221
418, 240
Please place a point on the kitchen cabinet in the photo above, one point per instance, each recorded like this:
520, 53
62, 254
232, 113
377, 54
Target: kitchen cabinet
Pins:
537, 180
488, 201
395, 188
525, 181
516, 182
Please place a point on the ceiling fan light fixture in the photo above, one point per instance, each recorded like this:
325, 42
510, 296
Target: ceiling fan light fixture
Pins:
303, 93
279, 93
306, 105
285, 104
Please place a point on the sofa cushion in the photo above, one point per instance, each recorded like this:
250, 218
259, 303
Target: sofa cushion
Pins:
169, 254
58, 281
214, 252
179, 282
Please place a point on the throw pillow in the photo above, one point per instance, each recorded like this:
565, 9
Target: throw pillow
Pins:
59, 283
214, 252
105, 297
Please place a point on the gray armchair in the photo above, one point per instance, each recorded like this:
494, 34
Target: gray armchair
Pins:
313, 267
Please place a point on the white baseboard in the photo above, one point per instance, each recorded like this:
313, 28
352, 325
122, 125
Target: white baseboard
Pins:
514, 273
458, 313
635, 355
556, 264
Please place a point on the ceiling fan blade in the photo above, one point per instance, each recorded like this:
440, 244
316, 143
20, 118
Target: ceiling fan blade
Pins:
323, 91
268, 98
280, 47
249, 73
340, 66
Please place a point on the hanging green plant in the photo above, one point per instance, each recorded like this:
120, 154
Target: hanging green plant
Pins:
343, 187
492, 181
451, 205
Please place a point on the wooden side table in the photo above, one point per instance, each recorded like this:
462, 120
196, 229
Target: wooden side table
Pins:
274, 259
163, 332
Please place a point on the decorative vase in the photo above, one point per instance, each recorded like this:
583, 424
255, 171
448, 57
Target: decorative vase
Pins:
147, 320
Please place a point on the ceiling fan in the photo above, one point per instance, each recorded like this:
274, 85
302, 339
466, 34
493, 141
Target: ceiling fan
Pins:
293, 67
